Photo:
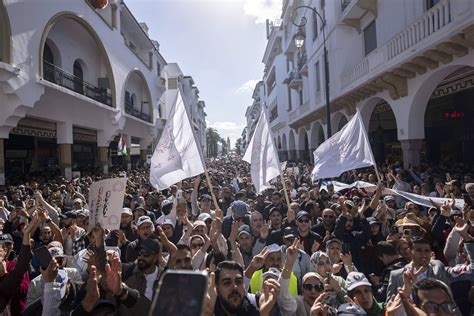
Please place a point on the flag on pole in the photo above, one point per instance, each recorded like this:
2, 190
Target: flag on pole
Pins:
346, 150
262, 155
122, 146
177, 154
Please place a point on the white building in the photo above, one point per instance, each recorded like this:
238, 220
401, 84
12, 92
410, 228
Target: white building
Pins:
407, 66
72, 78
252, 114
194, 106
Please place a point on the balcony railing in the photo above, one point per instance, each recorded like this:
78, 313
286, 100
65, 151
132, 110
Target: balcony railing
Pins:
62, 78
273, 114
345, 4
129, 109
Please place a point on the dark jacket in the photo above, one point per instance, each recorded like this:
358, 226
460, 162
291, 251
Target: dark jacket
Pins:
138, 281
247, 309
380, 291
10, 283
227, 224
355, 239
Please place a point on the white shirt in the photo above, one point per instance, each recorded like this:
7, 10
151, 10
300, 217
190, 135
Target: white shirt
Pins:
150, 279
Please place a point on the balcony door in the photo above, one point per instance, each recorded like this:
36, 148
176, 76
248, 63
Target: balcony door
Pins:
78, 78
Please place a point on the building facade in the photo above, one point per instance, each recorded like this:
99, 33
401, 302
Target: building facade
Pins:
407, 66
73, 79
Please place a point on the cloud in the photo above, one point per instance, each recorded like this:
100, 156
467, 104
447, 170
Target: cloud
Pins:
228, 129
263, 9
248, 86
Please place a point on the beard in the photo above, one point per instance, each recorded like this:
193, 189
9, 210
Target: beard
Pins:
233, 302
143, 265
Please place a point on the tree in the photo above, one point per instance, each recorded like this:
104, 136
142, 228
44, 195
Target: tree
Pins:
238, 145
212, 139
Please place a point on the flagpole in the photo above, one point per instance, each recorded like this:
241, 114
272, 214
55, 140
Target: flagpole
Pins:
284, 189
209, 183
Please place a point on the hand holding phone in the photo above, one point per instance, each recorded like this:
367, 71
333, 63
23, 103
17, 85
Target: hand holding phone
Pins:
180, 293
467, 199
44, 256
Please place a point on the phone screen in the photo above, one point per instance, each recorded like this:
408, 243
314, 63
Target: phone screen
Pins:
180, 293
44, 256
346, 248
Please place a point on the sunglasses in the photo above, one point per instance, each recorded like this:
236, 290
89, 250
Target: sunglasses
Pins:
304, 221
317, 287
194, 246
431, 307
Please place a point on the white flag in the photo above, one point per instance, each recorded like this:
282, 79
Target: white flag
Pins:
262, 155
177, 154
346, 150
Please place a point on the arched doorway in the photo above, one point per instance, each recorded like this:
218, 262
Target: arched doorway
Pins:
292, 147
303, 145
382, 133
449, 118
284, 149
338, 122
78, 77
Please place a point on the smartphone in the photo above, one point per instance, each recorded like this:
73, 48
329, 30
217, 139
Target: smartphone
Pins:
44, 256
407, 234
346, 248
180, 293
467, 199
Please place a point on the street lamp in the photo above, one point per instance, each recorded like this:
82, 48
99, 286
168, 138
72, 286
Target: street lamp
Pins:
299, 39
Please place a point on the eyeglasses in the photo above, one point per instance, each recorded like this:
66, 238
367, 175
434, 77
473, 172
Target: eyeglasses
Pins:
431, 307
317, 287
194, 246
304, 221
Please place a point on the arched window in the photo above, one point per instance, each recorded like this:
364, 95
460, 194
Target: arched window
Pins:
48, 54
78, 77
134, 100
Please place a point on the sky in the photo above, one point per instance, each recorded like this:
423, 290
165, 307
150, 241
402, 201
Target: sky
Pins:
220, 43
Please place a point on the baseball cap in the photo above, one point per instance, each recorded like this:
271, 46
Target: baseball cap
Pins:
139, 207
165, 203
273, 248
144, 219
272, 272
84, 213
204, 217
206, 197
289, 232
77, 200
166, 221
350, 309
56, 252
71, 214
244, 229
373, 220
302, 214
388, 198
240, 208
127, 211
150, 244
356, 279
199, 223
6, 238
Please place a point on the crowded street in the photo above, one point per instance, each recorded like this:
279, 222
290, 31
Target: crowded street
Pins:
237, 157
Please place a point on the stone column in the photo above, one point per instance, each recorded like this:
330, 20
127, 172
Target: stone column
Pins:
65, 141
65, 160
2, 161
103, 159
411, 151
128, 157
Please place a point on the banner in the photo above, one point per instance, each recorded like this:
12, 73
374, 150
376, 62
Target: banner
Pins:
348, 149
106, 202
177, 155
262, 155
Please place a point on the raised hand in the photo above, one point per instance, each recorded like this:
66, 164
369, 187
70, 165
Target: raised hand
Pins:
211, 296
319, 308
49, 274
292, 252
233, 231
92, 295
271, 290
264, 230
258, 260
113, 276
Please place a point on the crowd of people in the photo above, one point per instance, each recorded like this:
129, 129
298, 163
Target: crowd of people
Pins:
311, 250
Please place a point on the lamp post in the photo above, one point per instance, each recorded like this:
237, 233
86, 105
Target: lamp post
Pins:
299, 39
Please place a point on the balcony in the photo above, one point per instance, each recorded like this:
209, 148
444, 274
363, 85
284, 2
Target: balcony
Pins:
274, 114
300, 116
303, 64
294, 80
352, 11
64, 79
129, 109
405, 49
